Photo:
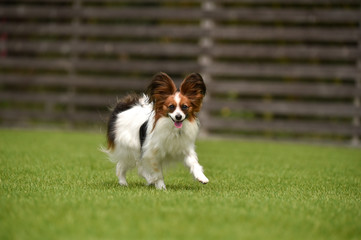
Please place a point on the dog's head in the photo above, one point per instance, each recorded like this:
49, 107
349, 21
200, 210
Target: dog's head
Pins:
177, 105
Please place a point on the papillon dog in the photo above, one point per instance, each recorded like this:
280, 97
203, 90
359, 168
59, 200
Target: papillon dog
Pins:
150, 130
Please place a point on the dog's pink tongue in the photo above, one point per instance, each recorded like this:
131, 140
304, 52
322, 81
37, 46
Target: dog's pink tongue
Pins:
178, 124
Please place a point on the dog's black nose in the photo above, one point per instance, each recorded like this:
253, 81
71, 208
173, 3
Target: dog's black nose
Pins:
178, 117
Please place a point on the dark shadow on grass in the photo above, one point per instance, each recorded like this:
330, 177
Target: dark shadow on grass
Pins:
187, 187
108, 184
115, 185
142, 185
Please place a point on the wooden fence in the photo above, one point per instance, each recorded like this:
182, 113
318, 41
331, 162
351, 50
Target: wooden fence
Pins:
274, 68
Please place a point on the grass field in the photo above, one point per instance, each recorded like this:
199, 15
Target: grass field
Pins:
56, 185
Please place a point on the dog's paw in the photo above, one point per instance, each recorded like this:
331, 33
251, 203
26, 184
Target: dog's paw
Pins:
202, 178
160, 185
123, 183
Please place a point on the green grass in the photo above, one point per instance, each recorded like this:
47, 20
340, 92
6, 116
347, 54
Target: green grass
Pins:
57, 185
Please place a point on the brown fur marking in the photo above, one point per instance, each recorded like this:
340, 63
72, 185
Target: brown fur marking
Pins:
160, 87
194, 89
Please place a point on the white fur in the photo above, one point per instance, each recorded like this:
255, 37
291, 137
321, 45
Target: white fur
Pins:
178, 110
165, 143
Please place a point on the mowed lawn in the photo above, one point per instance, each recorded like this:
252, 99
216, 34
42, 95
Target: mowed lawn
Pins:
58, 185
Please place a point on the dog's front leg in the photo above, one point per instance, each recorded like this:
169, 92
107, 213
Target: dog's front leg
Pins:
191, 161
151, 169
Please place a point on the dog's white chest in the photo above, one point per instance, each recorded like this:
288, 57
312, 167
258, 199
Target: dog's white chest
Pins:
167, 140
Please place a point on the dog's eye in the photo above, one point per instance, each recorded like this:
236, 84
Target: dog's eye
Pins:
184, 107
171, 107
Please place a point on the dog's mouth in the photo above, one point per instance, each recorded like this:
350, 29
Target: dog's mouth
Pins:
177, 124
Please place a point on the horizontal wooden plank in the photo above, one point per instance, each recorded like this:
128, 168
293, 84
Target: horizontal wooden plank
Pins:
59, 98
104, 30
275, 107
286, 51
307, 2
286, 108
211, 123
264, 70
36, 63
121, 83
139, 13
240, 87
59, 116
288, 89
282, 70
187, 32
167, 13
282, 126
285, 33
141, 48
290, 15
217, 68
150, 66
182, 49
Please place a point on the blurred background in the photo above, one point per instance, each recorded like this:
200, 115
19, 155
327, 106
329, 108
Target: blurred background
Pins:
275, 69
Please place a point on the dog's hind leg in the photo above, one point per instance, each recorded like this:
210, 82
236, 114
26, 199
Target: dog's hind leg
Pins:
121, 170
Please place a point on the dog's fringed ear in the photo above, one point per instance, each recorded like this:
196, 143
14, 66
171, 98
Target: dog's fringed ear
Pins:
194, 89
160, 87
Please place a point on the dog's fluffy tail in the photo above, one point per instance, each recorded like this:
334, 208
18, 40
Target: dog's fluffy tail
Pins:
108, 152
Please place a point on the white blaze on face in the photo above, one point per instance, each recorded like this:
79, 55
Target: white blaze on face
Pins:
177, 115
